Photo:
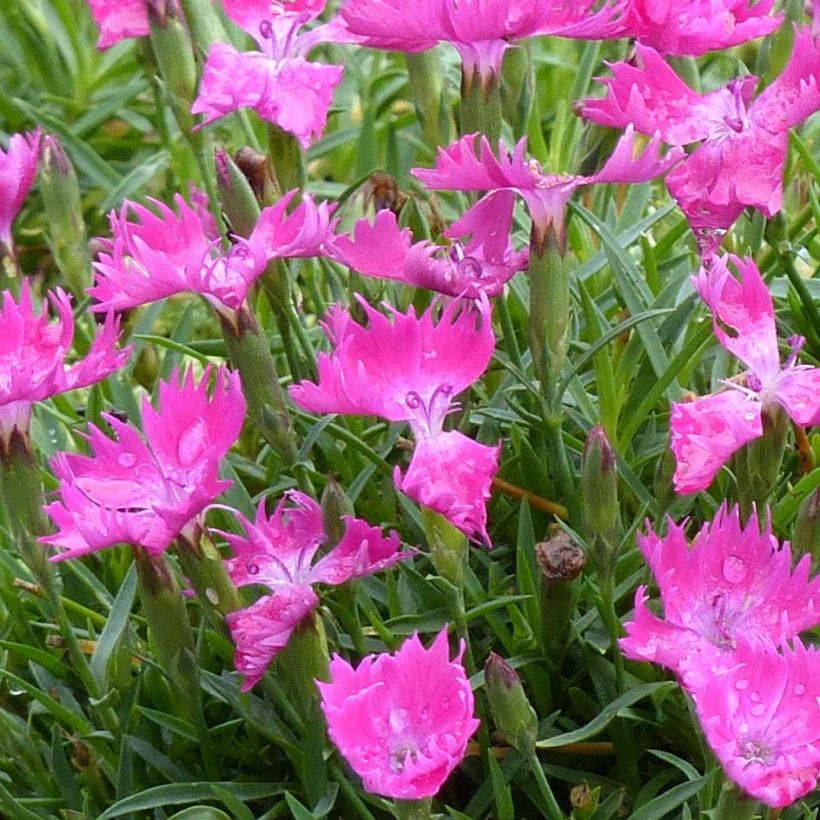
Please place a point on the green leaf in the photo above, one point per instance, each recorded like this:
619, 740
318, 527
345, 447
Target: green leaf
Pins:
114, 628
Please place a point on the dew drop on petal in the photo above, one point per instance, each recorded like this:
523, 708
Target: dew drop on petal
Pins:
741, 684
253, 569
799, 689
734, 569
126, 460
192, 443
758, 709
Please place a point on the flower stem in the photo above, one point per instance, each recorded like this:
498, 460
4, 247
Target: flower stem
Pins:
413, 809
481, 106
425, 72
553, 809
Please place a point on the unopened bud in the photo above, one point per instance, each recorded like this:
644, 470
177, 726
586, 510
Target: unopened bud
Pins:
584, 801
236, 179
757, 465
335, 504
806, 540
448, 546
599, 484
514, 716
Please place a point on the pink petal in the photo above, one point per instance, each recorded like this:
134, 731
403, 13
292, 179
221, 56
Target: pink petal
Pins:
18, 167
119, 20
798, 390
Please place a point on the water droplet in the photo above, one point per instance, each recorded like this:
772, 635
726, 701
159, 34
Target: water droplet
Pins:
253, 569
750, 416
799, 689
754, 697
741, 684
758, 709
734, 569
127, 460
212, 596
192, 443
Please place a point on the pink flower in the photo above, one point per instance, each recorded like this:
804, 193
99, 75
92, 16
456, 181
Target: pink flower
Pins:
693, 27
460, 168
480, 31
731, 583
152, 256
760, 718
401, 721
147, 491
277, 82
119, 19
743, 144
278, 553
707, 431
18, 166
33, 353
410, 369
481, 265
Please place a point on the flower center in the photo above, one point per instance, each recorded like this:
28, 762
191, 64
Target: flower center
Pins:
429, 414
756, 752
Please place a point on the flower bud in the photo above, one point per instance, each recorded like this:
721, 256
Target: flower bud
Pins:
64, 212
599, 484
241, 184
806, 540
335, 504
448, 546
584, 801
514, 716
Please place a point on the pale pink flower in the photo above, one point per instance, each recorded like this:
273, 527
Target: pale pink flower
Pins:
481, 31
410, 369
732, 582
148, 490
18, 167
461, 168
277, 82
155, 255
482, 264
693, 27
707, 431
743, 146
401, 721
34, 353
278, 552
761, 719
119, 19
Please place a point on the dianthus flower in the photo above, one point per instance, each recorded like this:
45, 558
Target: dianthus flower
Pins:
461, 168
707, 431
277, 553
18, 167
693, 27
119, 19
155, 255
33, 353
480, 31
401, 721
410, 369
743, 144
482, 264
732, 582
277, 82
146, 491
761, 719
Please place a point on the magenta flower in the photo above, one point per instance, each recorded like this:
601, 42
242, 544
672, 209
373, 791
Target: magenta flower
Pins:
731, 583
152, 256
481, 265
760, 718
33, 353
481, 32
18, 167
148, 490
707, 431
461, 168
410, 369
743, 144
277, 552
693, 27
277, 82
119, 19
401, 721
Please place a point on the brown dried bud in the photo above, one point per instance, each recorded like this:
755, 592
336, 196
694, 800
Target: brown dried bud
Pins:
257, 170
559, 557
383, 191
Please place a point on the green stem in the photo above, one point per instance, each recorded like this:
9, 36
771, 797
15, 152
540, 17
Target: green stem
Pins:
425, 72
553, 809
481, 106
733, 805
413, 809
287, 159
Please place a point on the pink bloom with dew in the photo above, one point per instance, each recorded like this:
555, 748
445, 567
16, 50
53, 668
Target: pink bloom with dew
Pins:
481, 31
706, 432
693, 27
743, 143
401, 721
761, 719
278, 552
461, 167
34, 353
482, 264
277, 82
154, 255
732, 582
409, 368
18, 167
119, 20
147, 490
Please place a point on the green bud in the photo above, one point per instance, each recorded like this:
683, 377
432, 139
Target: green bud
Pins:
64, 212
448, 546
335, 504
513, 715
806, 540
287, 160
599, 484
241, 183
